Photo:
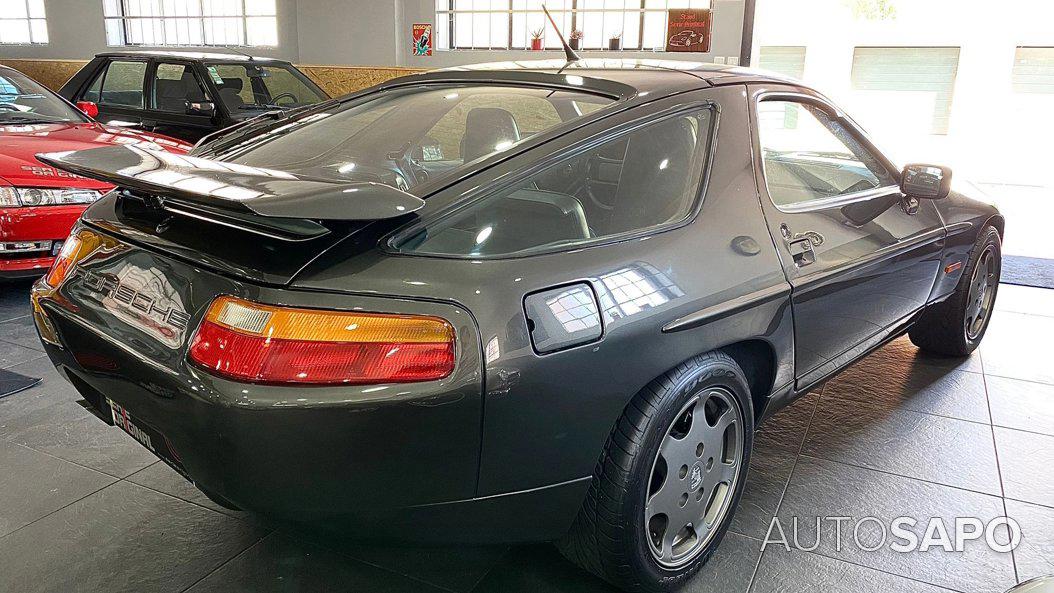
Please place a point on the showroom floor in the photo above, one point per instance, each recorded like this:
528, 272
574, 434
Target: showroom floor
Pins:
84, 508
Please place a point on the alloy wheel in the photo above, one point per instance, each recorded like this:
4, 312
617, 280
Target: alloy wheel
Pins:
694, 477
982, 293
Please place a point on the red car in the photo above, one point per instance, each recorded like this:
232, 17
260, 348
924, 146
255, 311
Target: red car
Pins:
39, 204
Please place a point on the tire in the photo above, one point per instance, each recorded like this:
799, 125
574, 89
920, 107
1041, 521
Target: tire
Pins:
615, 534
946, 328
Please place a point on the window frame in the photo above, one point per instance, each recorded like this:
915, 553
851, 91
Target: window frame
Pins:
851, 127
201, 21
105, 72
150, 84
390, 243
445, 18
29, 20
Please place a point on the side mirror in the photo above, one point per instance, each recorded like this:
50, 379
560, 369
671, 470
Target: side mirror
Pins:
207, 108
926, 182
88, 108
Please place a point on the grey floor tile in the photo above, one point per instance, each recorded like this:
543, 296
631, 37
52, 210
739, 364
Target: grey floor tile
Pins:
21, 331
1035, 554
1025, 461
786, 430
17, 411
282, 564
1025, 299
14, 354
822, 489
163, 478
923, 446
919, 387
14, 299
770, 470
456, 568
68, 431
123, 538
34, 484
793, 571
901, 352
1019, 346
1024, 405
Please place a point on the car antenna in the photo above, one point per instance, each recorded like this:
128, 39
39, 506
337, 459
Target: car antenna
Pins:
568, 52
238, 51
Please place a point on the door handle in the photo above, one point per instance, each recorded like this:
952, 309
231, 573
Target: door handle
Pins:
800, 245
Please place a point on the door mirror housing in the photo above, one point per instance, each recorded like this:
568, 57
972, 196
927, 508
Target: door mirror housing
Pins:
926, 182
207, 108
88, 108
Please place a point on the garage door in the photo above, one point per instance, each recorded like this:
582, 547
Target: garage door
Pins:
929, 70
1034, 70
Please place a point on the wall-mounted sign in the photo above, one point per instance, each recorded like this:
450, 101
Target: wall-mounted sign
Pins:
422, 39
688, 29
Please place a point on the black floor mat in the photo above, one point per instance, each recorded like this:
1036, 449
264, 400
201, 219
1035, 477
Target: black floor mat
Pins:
11, 383
1028, 271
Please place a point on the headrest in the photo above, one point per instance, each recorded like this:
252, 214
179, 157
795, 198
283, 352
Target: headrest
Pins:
486, 130
235, 84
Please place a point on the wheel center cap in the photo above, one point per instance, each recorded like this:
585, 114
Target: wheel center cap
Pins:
695, 477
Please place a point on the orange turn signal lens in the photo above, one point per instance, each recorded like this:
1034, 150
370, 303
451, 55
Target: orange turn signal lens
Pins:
260, 343
78, 246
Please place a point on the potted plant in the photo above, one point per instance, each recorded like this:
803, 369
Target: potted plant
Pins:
615, 41
536, 39
575, 41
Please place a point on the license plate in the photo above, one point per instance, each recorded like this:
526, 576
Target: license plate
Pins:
148, 436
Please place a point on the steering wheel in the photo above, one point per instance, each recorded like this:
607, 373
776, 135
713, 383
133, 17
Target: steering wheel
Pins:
275, 98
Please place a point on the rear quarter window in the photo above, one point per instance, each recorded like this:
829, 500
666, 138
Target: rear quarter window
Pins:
632, 182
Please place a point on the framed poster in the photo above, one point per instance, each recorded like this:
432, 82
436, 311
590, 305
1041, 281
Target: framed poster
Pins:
688, 29
422, 39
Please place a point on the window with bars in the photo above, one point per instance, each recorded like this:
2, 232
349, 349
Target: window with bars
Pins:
510, 24
23, 22
191, 22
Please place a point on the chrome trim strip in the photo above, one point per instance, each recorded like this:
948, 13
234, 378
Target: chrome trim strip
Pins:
731, 307
838, 201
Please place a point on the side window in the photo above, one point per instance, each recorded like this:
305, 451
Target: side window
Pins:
123, 84
808, 155
481, 123
635, 181
174, 86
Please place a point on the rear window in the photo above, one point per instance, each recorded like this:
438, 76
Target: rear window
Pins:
404, 137
632, 182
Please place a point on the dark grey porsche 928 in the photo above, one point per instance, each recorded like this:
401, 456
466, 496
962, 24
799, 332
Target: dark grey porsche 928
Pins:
539, 301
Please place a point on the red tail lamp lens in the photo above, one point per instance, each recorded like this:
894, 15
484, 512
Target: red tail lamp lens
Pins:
258, 343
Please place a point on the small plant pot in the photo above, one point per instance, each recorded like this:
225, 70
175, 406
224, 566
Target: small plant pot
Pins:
576, 44
536, 45
614, 44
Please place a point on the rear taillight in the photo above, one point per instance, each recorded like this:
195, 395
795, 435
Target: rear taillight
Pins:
257, 343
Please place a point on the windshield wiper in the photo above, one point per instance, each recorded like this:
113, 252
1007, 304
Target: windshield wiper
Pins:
22, 119
265, 106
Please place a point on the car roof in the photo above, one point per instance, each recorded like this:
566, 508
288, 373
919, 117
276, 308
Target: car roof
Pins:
643, 75
188, 55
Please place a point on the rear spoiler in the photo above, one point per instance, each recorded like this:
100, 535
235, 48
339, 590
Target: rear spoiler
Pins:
232, 187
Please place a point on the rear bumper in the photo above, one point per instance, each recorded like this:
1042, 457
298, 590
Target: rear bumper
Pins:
397, 462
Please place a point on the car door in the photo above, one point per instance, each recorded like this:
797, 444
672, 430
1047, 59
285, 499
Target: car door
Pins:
178, 102
860, 256
118, 91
